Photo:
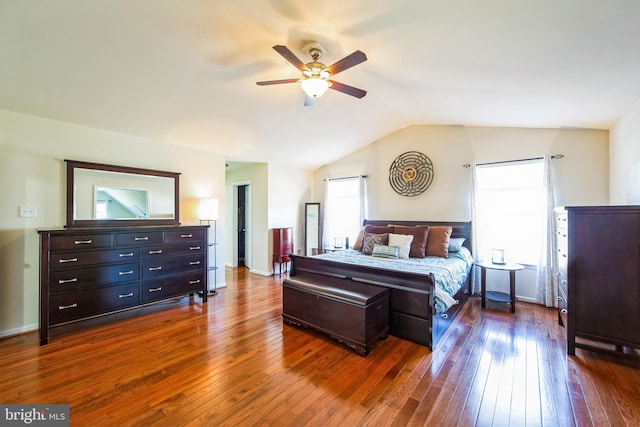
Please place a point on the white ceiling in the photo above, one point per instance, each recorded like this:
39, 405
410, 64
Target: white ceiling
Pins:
184, 71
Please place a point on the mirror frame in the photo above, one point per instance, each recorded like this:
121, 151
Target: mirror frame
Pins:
307, 232
72, 165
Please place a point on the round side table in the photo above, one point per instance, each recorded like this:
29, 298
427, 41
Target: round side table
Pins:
502, 297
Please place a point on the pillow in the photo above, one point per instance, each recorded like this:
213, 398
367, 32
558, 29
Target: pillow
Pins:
370, 240
419, 243
403, 242
438, 241
358, 244
455, 244
383, 251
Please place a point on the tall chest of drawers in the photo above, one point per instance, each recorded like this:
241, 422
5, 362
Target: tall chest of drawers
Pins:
91, 272
599, 276
282, 247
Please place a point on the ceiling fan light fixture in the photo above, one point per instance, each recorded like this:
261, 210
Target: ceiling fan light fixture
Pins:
315, 87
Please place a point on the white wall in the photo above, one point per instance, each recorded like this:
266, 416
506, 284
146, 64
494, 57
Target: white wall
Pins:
625, 159
256, 175
289, 190
581, 176
32, 170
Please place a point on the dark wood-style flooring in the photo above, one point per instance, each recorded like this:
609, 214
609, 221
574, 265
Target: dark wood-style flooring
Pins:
232, 362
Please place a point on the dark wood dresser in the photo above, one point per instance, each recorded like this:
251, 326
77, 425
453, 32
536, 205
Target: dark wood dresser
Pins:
89, 272
599, 277
282, 247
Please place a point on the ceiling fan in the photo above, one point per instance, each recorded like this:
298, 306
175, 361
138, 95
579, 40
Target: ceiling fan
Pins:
316, 76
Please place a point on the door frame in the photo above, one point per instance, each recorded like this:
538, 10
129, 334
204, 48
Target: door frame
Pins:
247, 213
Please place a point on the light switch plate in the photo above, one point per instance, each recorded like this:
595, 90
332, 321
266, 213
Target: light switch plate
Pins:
28, 212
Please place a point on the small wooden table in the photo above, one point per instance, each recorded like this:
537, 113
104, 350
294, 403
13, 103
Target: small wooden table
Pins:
502, 297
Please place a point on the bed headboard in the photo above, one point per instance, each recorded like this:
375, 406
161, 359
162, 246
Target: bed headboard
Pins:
460, 229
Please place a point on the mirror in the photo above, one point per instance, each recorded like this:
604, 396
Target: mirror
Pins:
108, 195
312, 229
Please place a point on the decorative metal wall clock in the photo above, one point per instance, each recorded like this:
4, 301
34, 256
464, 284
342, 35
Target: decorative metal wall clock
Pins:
411, 173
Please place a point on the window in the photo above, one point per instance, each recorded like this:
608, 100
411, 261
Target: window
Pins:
509, 211
345, 207
101, 210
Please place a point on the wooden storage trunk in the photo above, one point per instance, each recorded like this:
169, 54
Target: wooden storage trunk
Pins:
354, 313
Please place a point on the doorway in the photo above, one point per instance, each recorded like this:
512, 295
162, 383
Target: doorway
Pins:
242, 224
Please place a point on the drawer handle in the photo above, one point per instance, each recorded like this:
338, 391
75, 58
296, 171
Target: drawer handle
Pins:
194, 262
64, 307
563, 281
564, 311
83, 242
124, 273
61, 281
130, 294
137, 239
445, 316
194, 248
186, 236
68, 260
124, 255
155, 268
193, 282
155, 289
159, 251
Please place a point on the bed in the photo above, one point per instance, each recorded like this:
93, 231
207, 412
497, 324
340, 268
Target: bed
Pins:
425, 294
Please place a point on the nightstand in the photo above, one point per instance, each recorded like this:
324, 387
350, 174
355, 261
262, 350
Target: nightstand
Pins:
502, 297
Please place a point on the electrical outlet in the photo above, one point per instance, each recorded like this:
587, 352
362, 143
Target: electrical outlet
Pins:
28, 212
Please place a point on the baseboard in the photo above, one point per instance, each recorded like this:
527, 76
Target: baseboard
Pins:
262, 273
19, 331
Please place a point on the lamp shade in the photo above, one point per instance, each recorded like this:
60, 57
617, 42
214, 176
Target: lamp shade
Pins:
315, 86
208, 209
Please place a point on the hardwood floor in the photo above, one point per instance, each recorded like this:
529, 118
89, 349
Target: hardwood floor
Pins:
232, 362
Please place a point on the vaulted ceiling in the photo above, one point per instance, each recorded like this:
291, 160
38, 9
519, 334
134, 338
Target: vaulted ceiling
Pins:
184, 71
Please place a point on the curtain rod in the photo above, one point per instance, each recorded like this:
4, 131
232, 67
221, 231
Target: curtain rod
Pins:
555, 156
346, 177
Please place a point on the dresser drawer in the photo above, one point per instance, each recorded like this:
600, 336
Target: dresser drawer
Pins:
66, 260
109, 298
172, 286
67, 280
139, 238
162, 251
183, 236
64, 308
163, 267
85, 241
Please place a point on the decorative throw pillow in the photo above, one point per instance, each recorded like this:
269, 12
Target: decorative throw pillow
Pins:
370, 240
383, 251
358, 244
438, 241
419, 243
455, 244
403, 242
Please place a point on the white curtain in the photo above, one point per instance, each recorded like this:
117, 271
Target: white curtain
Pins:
475, 278
326, 225
362, 188
546, 278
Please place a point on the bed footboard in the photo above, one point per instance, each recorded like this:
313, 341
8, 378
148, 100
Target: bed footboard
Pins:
411, 296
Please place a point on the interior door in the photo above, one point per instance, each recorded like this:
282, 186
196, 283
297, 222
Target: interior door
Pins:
242, 224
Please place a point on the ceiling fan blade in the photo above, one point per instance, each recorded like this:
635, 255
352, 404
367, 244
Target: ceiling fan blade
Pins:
309, 101
348, 61
276, 82
349, 90
290, 56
